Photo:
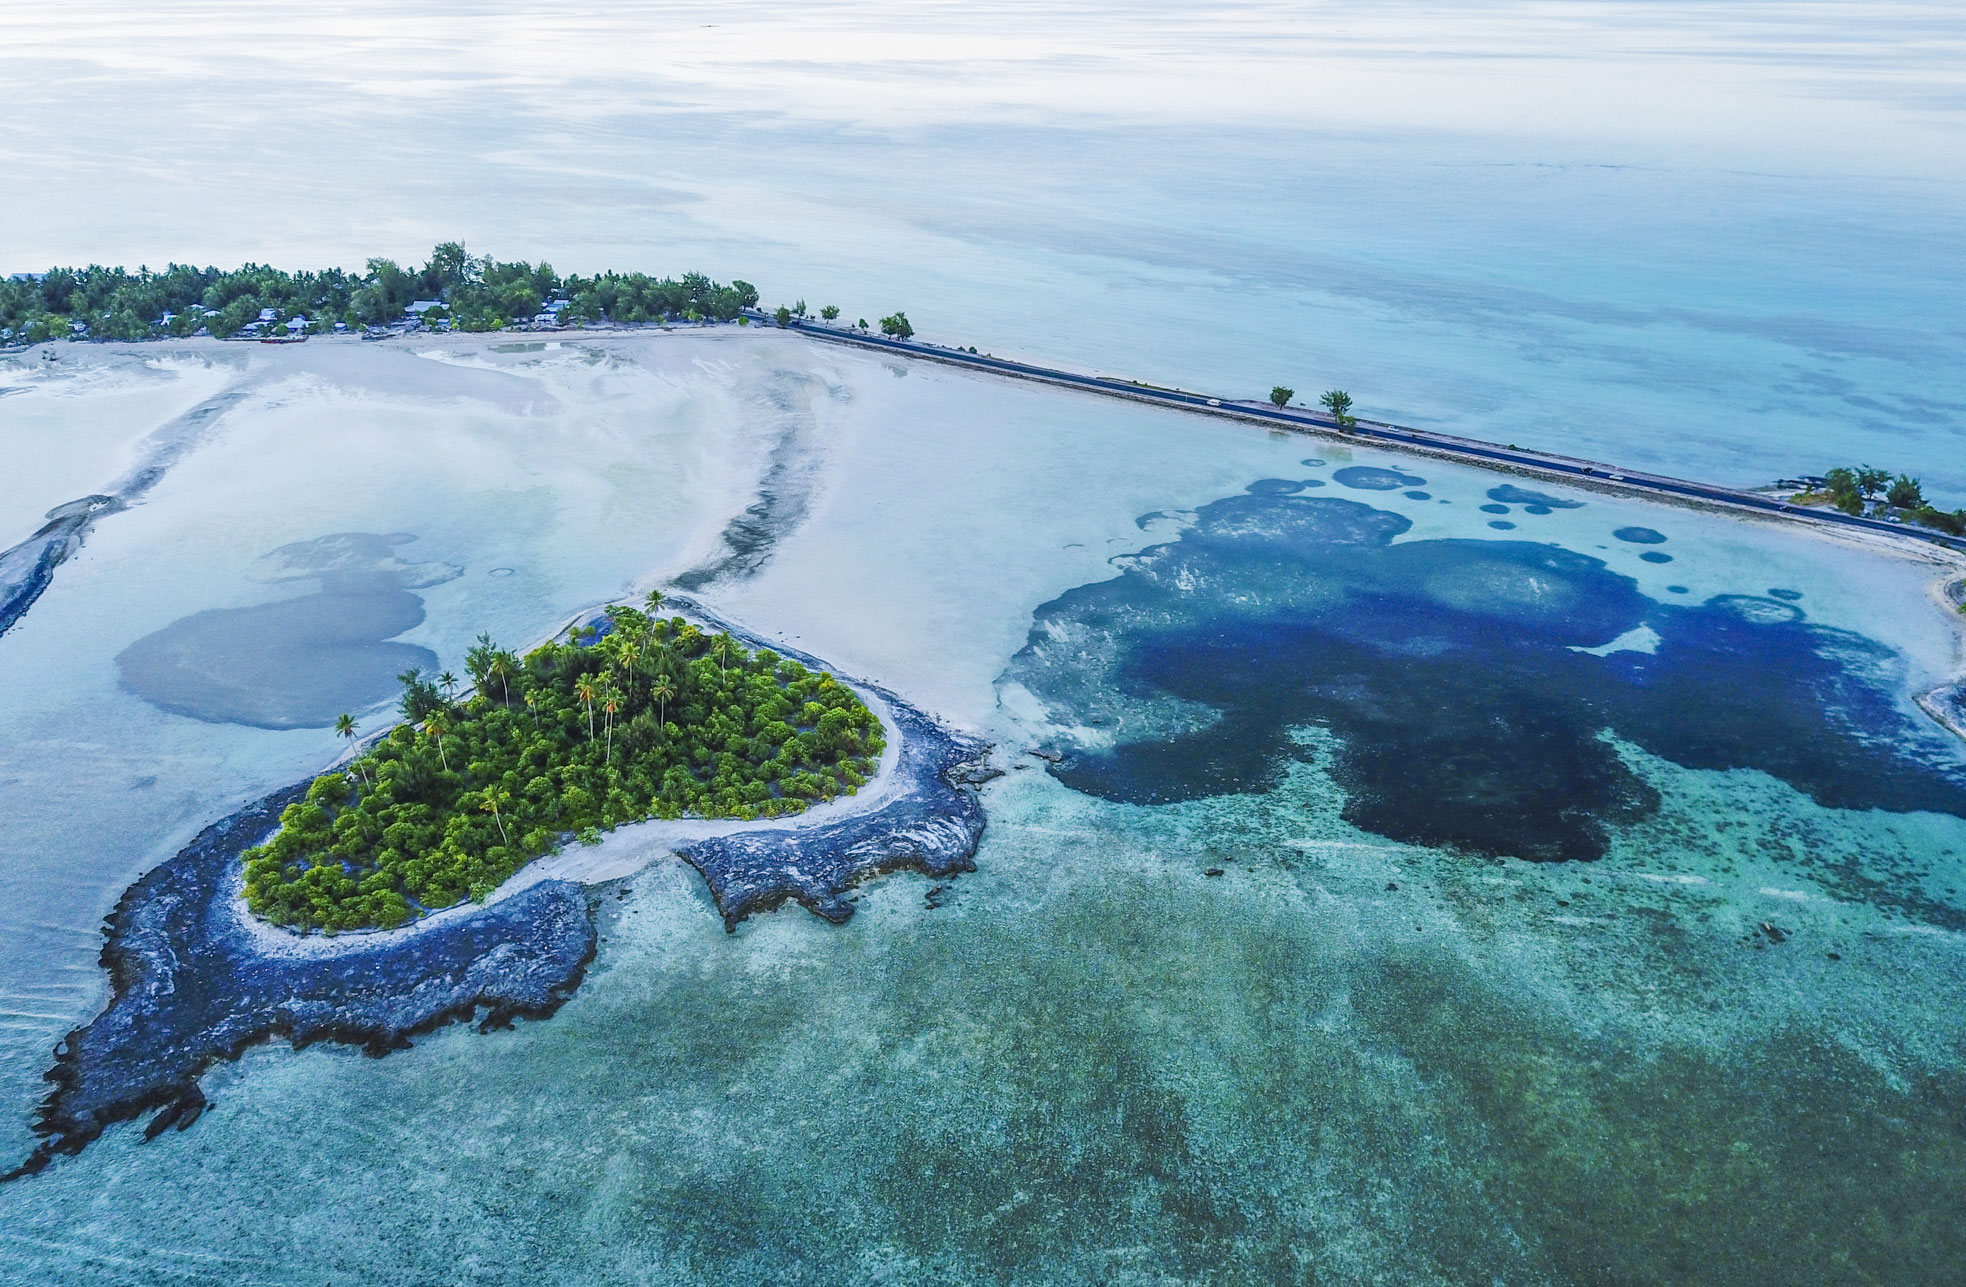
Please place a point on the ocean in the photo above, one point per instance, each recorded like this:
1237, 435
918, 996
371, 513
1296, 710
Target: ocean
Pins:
1383, 1043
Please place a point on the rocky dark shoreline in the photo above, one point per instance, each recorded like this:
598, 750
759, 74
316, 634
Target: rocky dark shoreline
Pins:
931, 825
27, 568
193, 982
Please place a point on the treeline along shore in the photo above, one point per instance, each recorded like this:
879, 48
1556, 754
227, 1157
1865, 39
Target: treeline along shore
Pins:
455, 290
194, 980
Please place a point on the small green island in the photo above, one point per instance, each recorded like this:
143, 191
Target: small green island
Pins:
1865, 491
640, 717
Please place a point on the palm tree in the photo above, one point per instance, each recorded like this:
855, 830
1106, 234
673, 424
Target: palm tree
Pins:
477, 658
722, 647
532, 701
501, 666
447, 682
435, 729
492, 800
628, 651
610, 702
653, 602
345, 727
584, 689
662, 690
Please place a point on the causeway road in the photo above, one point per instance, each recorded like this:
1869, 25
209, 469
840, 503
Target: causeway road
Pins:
1428, 441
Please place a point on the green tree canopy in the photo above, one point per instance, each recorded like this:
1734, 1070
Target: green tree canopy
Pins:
476, 293
643, 718
1339, 404
1905, 493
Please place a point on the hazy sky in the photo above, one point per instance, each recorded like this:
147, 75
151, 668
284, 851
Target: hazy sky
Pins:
136, 129
1562, 224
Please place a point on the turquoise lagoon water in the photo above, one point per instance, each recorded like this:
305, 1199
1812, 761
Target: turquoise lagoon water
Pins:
1347, 1057
1714, 241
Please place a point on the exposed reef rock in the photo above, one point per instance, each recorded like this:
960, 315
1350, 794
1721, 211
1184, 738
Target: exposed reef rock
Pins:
932, 825
27, 568
784, 493
194, 983
195, 980
931, 822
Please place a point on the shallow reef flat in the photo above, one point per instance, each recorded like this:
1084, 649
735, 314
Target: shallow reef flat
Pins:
1467, 684
193, 984
1198, 1015
197, 980
931, 825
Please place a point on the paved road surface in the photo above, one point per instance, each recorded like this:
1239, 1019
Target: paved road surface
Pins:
1472, 449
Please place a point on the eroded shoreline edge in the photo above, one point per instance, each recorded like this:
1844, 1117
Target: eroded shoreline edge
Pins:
192, 984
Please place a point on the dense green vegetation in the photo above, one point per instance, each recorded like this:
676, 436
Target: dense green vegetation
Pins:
472, 293
1865, 490
1335, 401
650, 718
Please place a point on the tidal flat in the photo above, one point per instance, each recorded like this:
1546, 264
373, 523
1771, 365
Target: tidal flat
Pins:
1242, 1023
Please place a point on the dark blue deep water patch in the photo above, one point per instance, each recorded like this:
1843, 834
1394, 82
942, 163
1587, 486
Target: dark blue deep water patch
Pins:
1370, 478
1494, 509
1446, 670
1418, 495
1538, 510
1656, 556
1677, 589
1501, 524
1513, 495
1312, 482
1312, 461
1790, 595
1274, 487
1640, 536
